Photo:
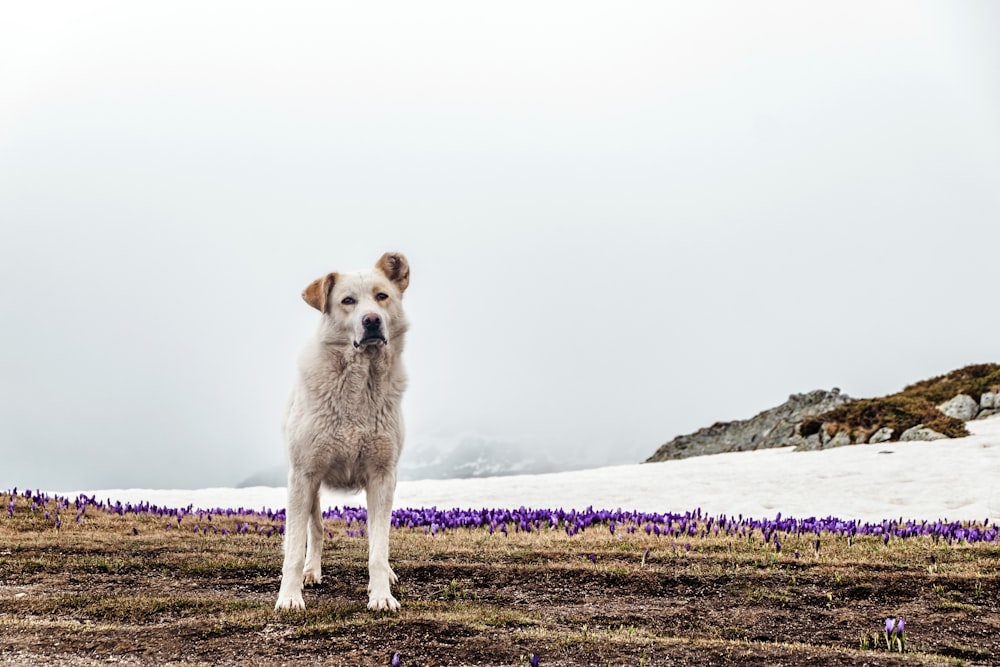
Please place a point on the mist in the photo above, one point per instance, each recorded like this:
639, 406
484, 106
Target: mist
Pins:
623, 223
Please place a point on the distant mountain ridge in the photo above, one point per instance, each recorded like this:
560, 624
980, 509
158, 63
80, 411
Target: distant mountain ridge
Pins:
476, 456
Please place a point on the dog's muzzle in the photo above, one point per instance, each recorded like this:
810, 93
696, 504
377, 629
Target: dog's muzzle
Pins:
371, 325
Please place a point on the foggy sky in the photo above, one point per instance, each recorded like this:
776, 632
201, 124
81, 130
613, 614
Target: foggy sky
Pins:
624, 222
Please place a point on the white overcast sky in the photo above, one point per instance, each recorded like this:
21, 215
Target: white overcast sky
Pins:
624, 220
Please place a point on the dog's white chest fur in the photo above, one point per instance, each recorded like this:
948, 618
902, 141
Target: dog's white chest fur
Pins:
348, 418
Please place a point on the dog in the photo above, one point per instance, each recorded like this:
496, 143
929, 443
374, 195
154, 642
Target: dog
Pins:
343, 426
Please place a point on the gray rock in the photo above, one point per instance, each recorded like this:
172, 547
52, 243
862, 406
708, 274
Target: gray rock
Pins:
811, 443
797, 441
988, 401
840, 439
884, 434
771, 428
919, 433
962, 407
983, 414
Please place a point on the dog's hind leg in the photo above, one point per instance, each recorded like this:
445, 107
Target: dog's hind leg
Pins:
380, 576
302, 492
314, 544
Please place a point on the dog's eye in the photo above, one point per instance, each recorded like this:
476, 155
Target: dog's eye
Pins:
381, 296
348, 301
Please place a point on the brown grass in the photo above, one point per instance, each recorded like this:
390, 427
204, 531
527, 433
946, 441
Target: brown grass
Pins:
913, 406
125, 589
899, 412
973, 380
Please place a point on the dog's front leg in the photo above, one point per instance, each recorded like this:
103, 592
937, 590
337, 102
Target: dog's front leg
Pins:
302, 493
380, 576
314, 544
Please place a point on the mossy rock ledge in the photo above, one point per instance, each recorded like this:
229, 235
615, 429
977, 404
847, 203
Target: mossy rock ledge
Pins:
927, 410
771, 428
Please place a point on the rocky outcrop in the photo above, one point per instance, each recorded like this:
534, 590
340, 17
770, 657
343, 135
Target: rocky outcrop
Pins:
776, 427
884, 434
966, 408
918, 433
822, 439
823, 419
830, 434
962, 407
989, 405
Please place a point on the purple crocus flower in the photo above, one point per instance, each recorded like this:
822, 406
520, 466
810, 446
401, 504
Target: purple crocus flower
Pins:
395, 660
534, 660
900, 624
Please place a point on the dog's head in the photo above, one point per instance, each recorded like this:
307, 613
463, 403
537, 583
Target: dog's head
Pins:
363, 309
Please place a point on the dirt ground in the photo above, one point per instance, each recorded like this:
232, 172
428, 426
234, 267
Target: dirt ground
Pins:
120, 593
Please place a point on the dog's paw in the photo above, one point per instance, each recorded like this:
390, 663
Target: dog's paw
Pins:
312, 576
382, 602
292, 601
393, 579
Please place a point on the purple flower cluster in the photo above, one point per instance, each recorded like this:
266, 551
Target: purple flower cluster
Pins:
686, 524
434, 521
895, 634
268, 522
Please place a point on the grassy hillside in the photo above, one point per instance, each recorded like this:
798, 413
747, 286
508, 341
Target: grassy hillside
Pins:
914, 405
973, 380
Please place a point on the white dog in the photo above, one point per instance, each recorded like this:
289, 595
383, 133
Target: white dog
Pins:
344, 426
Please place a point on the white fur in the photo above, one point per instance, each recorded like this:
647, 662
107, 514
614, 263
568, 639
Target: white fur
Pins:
343, 426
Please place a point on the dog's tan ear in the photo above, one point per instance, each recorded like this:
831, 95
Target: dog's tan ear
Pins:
317, 294
396, 268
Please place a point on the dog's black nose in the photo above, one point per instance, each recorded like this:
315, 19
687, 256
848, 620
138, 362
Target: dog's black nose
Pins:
371, 321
